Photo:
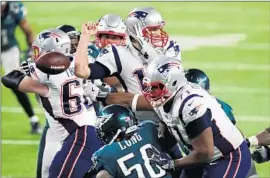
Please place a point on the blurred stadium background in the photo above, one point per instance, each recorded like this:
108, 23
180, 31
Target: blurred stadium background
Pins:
228, 40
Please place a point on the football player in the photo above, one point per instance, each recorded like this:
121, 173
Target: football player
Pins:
73, 123
49, 144
114, 60
13, 14
152, 30
124, 154
195, 119
199, 77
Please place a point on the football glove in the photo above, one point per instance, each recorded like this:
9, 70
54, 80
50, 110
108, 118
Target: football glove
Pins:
25, 68
261, 154
160, 158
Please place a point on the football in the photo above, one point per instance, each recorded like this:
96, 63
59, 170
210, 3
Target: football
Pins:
53, 63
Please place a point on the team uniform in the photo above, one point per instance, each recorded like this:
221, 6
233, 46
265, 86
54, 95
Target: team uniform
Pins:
185, 117
118, 61
171, 49
227, 109
128, 158
71, 118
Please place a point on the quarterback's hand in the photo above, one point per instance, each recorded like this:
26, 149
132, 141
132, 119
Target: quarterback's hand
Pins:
260, 154
25, 68
89, 28
159, 158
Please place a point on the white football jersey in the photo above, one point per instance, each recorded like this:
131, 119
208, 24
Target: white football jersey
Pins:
171, 49
129, 70
66, 105
189, 104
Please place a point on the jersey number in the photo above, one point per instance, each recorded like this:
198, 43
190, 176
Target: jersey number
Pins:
138, 167
71, 103
139, 74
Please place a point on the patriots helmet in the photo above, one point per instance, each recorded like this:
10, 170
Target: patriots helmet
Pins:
50, 40
111, 29
73, 34
164, 76
115, 121
199, 77
152, 24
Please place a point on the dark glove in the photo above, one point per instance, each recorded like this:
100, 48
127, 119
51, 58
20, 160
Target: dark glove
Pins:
25, 68
260, 154
13, 79
160, 158
102, 96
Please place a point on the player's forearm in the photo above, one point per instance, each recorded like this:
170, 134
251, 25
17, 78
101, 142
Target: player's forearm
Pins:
81, 59
264, 137
193, 158
29, 85
126, 99
28, 32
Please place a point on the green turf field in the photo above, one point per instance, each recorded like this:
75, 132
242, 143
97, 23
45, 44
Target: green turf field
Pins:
238, 64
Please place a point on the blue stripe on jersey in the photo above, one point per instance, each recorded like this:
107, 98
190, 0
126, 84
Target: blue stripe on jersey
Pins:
183, 104
171, 45
117, 59
219, 141
197, 126
119, 68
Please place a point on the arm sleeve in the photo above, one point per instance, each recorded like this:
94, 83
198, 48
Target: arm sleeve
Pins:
109, 57
195, 115
98, 71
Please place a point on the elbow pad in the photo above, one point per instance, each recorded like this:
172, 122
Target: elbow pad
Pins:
13, 79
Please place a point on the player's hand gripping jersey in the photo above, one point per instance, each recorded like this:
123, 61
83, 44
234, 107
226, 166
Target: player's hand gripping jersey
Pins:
188, 106
128, 158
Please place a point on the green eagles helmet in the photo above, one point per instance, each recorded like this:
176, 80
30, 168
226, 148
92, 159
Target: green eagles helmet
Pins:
199, 77
115, 121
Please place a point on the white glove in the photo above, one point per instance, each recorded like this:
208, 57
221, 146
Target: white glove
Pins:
91, 90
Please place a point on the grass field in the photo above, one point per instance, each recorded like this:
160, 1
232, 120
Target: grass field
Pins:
239, 72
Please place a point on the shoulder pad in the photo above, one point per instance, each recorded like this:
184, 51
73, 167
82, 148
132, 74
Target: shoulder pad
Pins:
193, 107
146, 122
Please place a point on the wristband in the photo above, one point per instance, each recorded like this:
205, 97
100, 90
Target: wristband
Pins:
134, 102
253, 141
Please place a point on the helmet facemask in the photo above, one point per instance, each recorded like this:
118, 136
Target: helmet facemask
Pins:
156, 92
74, 39
105, 38
156, 36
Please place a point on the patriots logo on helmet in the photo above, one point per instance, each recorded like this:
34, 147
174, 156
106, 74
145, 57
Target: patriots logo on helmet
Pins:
46, 35
139, 14
164, 69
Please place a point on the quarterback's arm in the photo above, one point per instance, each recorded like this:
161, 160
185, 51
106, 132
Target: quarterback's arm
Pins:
81, 58
103, 174
261, 139
126, 99
25, 26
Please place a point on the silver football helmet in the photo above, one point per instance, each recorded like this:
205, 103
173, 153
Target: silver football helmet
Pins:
152, 25
111, 24
164, 76
50, 40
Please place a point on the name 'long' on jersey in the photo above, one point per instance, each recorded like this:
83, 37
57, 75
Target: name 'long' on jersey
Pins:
129, 70
189, 105
66, 104
13, 14
128, 158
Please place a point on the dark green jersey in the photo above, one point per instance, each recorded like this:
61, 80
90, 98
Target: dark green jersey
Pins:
128, 158
93, 51
227, 109
13, 14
